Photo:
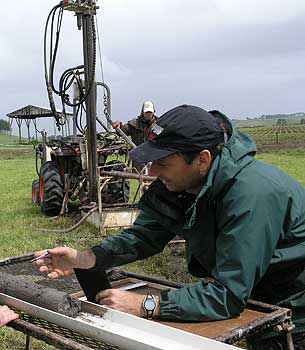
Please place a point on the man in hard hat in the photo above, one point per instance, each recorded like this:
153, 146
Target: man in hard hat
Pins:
139, 128
243, 221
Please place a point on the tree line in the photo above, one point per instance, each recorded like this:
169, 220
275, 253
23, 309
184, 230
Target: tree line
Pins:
4, 125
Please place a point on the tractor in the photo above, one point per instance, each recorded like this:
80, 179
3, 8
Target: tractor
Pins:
63, 172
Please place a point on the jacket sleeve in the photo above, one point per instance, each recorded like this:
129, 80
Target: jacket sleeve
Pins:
125, 128
145, 238
249, 221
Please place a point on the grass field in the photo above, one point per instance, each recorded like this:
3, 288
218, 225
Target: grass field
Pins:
291, 161
20, 220
7, 140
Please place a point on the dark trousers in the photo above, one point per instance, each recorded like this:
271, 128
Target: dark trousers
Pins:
278, 343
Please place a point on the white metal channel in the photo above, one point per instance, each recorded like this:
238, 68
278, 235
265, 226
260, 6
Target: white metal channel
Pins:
120, 329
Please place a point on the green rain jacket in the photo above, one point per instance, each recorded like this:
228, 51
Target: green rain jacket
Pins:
245, 230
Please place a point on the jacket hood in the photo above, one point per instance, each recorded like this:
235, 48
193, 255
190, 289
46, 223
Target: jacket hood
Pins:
237, 153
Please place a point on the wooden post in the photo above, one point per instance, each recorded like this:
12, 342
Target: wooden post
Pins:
35, 125
28, 123
19, 123
11, 123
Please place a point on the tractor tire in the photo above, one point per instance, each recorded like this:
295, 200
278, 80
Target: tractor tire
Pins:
35, 192
51, 189
118, 191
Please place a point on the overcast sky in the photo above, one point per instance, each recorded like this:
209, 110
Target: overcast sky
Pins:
243, 57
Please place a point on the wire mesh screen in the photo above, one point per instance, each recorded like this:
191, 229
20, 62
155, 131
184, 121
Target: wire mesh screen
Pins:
67, 333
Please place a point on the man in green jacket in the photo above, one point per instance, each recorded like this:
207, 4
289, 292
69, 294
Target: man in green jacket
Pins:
243, 222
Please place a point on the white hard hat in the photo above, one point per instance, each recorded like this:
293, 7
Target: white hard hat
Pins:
148, 106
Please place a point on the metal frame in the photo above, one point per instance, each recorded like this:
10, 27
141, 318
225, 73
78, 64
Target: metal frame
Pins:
116, 215
51, 338
119, 329
275, 316
43, 324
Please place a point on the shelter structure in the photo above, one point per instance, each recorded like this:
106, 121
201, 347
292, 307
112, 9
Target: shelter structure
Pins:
29, 114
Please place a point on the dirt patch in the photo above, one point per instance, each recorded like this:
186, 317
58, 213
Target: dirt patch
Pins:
13, 153
264, 148
169, 265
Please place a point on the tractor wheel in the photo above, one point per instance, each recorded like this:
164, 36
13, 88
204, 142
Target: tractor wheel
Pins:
35, 192
51, 189
118, 191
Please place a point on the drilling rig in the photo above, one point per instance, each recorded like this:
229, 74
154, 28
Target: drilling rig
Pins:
87, 166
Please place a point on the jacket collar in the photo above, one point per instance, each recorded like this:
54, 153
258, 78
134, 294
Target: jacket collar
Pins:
235, 155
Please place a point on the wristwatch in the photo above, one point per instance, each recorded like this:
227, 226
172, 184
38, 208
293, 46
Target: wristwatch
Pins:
149, 305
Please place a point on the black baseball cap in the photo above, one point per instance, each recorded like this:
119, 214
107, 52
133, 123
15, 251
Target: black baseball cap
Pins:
185, 129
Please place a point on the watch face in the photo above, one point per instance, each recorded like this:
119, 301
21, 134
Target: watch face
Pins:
149, 304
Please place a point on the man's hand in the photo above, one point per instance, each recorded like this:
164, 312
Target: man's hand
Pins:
7, 315
116, 124
121, 300
124, 301
62, 261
